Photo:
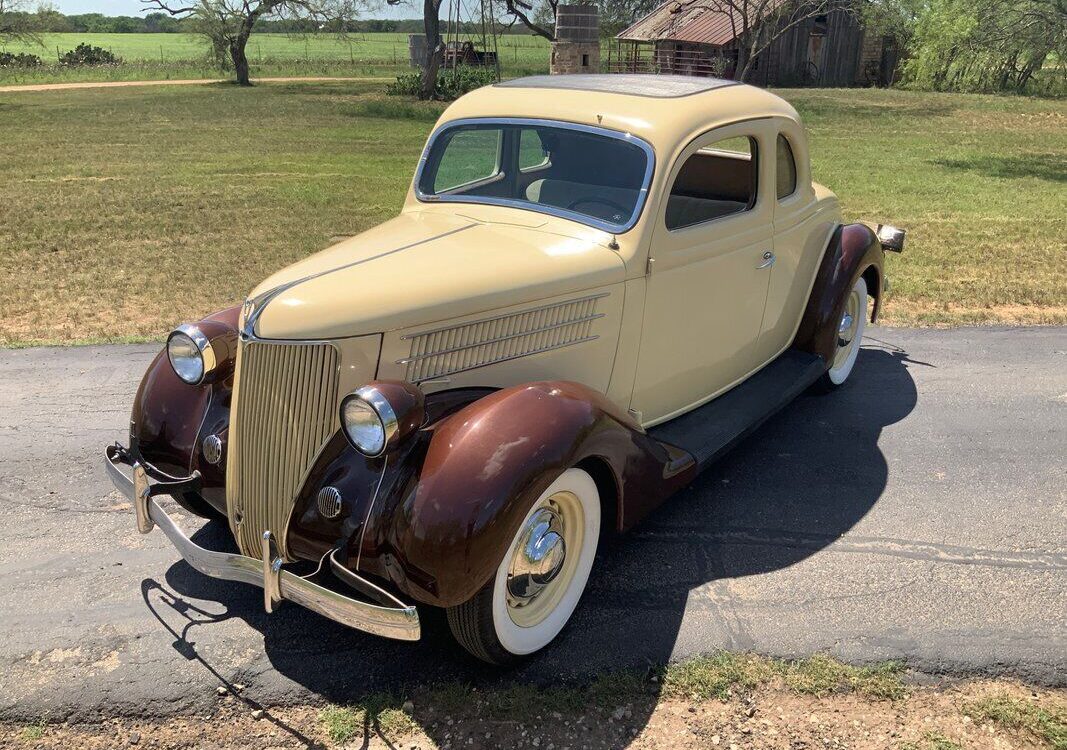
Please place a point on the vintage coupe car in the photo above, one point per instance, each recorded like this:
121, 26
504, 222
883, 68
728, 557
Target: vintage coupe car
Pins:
597, 285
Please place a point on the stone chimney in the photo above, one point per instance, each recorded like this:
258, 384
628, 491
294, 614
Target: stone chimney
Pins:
577, 45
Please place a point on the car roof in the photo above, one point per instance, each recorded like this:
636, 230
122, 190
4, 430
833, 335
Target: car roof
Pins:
665, 110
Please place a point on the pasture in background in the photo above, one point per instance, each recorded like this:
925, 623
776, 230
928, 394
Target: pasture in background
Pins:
175, 56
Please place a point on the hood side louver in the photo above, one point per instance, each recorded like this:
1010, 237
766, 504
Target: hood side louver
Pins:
445, 351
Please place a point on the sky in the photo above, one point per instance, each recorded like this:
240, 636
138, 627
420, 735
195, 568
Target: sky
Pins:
134, 7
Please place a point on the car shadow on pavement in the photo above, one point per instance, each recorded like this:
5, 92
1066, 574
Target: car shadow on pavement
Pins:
802, 481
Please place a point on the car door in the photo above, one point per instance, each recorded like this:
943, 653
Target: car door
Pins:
800, 235
711, 255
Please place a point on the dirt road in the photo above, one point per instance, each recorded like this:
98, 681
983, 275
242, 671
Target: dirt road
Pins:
181, 82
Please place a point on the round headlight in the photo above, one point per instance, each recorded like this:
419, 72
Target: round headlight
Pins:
190, 354
369, 421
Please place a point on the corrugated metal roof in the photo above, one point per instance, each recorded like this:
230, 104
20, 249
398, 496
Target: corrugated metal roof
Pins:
634, 84
692, 21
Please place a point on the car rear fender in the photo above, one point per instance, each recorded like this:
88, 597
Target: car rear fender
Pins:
854, 251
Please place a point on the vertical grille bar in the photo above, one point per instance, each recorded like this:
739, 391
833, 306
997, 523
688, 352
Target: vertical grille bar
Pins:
282, 416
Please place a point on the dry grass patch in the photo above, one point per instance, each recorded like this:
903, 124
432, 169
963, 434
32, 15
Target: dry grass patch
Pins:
379, 714
1044, 721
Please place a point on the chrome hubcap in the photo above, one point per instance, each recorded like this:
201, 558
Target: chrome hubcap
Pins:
539, 557
846, 329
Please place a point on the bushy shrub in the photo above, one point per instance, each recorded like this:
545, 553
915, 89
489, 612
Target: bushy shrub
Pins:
405, 85
451, 84
87, 54
20, 60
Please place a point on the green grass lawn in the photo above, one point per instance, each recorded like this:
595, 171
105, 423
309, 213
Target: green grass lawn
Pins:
125, 211
154, 56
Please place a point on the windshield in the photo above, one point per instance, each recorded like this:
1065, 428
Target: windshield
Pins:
595, 176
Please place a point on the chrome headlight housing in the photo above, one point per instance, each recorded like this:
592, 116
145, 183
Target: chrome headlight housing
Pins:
191, 354
369, 421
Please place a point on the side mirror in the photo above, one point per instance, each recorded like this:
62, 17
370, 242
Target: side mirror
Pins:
892, 239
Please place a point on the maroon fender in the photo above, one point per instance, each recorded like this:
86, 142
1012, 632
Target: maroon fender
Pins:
853, 251
169, 416
365, 482
450, 525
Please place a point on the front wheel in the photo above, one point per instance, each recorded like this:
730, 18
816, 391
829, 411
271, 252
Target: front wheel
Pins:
541, 578
849, 335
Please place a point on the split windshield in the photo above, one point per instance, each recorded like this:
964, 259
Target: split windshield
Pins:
597, 177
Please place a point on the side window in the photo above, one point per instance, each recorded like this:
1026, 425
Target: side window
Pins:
532, 152
716, 181
787, 168
470, 156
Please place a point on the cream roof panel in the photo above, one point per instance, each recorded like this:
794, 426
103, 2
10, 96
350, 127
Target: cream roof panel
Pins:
624, 102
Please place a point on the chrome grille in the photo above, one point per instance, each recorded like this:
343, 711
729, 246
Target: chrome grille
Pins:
445, 351
283, 413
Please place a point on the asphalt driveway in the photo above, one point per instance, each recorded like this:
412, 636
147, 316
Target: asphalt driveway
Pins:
918, 514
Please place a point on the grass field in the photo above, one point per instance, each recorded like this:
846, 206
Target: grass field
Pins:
153, 56
125, 211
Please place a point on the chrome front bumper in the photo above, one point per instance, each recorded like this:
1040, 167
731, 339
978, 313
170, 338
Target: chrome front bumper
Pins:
400, 621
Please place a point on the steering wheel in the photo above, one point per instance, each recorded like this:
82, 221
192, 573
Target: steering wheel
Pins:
604, 201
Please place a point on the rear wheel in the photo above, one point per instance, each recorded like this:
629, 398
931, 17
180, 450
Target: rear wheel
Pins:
541, 578
849, 336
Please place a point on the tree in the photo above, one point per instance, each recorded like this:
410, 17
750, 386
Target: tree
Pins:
229, 23
431, 63
616, 15
893, 18
987, 45
539, 17
17, 25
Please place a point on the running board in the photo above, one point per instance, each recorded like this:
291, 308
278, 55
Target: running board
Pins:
709, 431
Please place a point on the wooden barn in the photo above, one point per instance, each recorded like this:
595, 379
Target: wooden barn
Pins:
702, 38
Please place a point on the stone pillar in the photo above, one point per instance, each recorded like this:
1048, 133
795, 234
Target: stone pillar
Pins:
577, 45
575, 57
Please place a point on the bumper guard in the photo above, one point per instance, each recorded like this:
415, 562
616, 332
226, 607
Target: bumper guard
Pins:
400, 622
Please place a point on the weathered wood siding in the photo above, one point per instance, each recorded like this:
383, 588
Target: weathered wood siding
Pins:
786, 61
838, 57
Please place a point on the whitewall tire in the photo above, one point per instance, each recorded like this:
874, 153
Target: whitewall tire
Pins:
849, 336
538, 584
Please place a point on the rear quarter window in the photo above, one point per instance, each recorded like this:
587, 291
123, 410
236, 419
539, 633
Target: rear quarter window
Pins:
787, 168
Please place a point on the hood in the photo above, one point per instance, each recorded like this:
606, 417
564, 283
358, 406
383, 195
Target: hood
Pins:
424, 267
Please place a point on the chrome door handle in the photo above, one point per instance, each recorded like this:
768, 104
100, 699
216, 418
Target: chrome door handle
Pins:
768, 260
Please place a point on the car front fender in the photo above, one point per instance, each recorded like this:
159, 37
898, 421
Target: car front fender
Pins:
444, 531
169, 416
